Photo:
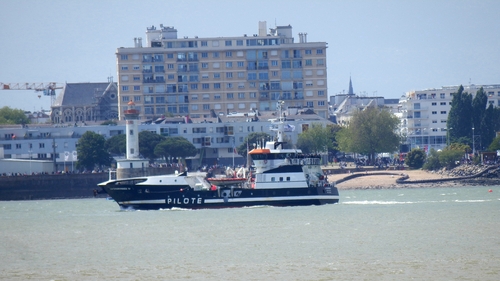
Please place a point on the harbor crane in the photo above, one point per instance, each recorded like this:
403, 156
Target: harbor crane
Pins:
47, 89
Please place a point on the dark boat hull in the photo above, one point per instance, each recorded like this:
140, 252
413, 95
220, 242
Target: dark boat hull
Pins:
185, 198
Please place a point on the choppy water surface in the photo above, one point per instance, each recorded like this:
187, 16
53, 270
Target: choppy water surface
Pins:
407, 234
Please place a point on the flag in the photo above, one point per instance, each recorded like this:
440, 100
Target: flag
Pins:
234, 148
66, 155
289, 128
75, 157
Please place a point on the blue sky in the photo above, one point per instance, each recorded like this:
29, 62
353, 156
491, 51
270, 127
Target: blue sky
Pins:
387, 47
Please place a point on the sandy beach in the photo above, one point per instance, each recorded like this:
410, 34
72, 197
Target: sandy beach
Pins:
389, 181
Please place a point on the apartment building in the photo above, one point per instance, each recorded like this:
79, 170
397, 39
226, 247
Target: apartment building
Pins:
206, 77
424, 114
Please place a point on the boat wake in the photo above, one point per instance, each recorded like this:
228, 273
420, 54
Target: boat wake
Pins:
367, 202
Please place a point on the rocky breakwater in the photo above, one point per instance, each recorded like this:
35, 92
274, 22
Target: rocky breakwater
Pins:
463, 175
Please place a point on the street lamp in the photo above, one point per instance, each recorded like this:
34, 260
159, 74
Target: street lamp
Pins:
448, 136
473, 143
30, 152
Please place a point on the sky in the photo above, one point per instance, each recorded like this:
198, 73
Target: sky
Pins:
387, 47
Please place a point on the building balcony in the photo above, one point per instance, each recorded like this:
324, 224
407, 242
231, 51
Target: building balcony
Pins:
153, 80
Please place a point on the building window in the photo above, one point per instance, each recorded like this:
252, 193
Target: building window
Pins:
229, 75
309, 104
125, 88
124, 57
229, 64
40, 145
241, 64
215, 54
216, 85
434, 112
229, 53
229, 95
321, 103
321, 93
442, 95
137, 88
125, 98
252, 95
308, 52
206, 107
205, 86
241, 95
319, 51
320, 62
443, 112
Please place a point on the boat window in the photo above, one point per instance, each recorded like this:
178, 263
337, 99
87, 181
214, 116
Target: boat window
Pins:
287, 178
273, 179
281, 178
259, 156
130, 182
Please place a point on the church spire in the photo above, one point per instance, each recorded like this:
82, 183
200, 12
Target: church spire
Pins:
351, 91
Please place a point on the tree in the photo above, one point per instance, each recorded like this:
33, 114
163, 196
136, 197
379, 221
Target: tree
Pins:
13, 116
450, 157
117, 144
459, 123
91, 151
415, 158
316, 139
478, 109
147, 144
495, 144
487, 127
370, 131
251, 139
432, 161
178, 147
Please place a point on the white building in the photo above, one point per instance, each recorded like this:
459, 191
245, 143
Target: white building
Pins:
215, 138
425, 113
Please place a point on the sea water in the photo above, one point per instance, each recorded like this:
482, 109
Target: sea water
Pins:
448, 233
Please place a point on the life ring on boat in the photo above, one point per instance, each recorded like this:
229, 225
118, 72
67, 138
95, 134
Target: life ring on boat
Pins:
252, 185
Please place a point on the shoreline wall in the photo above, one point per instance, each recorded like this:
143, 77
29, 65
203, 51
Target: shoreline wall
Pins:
59, 186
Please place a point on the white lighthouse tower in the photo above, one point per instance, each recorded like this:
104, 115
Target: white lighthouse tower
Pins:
131, 117
132, 166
